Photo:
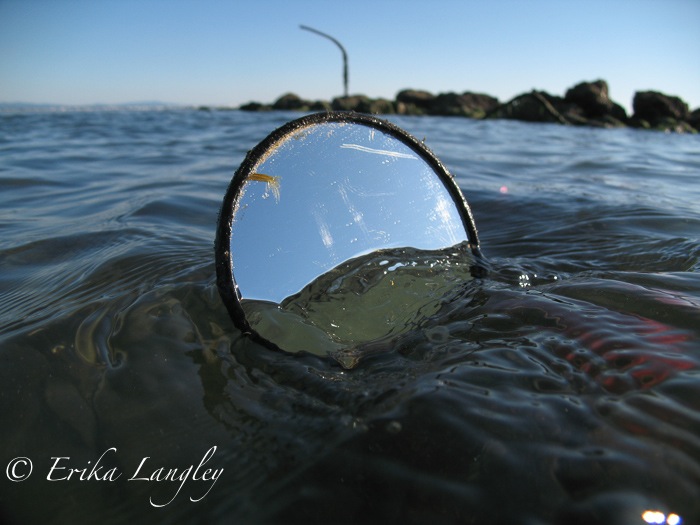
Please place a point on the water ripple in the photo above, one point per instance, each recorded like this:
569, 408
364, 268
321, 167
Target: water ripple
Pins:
562, 388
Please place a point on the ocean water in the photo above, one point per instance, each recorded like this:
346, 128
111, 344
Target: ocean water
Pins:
562, 388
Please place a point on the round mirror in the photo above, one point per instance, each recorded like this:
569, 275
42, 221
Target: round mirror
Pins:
339, 231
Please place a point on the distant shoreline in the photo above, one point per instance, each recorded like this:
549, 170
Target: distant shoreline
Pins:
585, 104
30, 106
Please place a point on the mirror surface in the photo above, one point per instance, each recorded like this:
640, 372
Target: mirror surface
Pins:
339, 231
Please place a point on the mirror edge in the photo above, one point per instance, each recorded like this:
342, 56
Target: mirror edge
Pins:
228, 289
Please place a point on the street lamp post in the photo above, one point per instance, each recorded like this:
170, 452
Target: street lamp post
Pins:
342, 50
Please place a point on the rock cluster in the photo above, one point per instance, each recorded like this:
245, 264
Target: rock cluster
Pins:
585, 104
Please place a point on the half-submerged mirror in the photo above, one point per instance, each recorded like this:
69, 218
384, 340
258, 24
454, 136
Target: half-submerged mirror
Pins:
340, 231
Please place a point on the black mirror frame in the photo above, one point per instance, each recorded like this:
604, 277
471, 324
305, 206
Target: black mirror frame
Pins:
228, 289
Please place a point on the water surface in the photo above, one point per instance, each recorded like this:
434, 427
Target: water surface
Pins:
562, 388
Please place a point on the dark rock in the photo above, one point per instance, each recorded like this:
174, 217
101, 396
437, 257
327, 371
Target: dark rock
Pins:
589, 104
413, 102
255, 106
290, 101
446, 104
320, 105
414, 96
359, 103
474, 105
654, 107
536, 106
363, 104
606, 121
409, 109
382, 106
574, 115
694, 119
592, 97
673, 125
639, 123
479, 104
618, 112
666, 124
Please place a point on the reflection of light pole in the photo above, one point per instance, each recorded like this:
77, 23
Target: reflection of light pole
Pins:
342, 50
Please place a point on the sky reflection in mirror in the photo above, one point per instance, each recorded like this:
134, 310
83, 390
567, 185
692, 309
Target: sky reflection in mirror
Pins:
329, 193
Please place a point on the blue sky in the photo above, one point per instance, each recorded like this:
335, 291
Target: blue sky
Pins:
230, 52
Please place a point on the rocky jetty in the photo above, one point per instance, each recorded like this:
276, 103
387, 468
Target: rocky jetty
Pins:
585, 104
656, 110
